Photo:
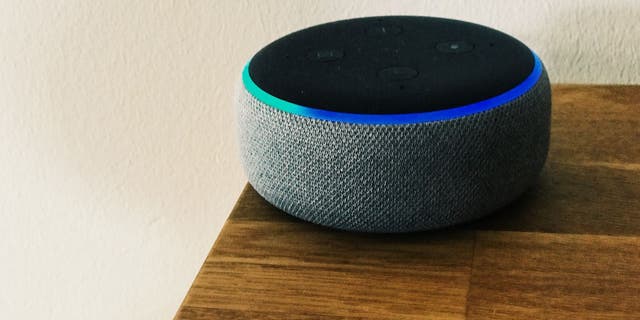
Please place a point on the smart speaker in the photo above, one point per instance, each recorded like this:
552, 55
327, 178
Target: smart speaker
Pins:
393, 124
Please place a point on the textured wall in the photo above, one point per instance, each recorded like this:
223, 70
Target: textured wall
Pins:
117, 153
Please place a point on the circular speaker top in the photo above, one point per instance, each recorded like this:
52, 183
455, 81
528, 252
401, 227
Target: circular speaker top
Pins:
395, 69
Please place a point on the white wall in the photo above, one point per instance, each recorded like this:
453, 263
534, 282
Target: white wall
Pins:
117, 153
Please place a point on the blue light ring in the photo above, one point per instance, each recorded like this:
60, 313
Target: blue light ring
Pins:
390, 119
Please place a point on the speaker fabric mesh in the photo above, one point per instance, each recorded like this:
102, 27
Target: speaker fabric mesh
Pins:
395, 178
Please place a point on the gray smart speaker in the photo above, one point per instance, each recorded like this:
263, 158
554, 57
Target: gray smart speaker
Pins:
393, 124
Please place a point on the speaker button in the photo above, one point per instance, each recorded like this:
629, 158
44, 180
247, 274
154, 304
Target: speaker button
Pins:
384, 30
397, 73
326, 55
454, 46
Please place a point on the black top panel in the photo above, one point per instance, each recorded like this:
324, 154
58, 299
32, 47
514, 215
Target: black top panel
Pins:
387, 65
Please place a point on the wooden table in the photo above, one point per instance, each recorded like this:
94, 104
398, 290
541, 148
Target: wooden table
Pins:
567, 249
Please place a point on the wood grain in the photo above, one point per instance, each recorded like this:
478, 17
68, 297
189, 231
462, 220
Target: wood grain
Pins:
596, 126
284, 267
522, 275
568, 248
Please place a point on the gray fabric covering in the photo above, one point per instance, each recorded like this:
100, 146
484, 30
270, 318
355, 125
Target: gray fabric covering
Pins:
395, 178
